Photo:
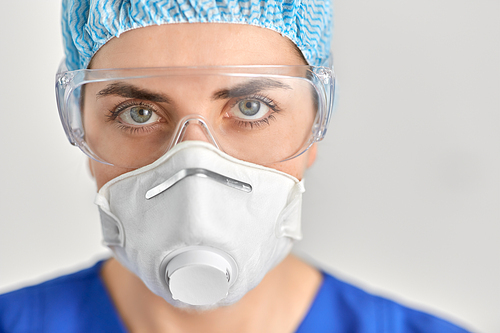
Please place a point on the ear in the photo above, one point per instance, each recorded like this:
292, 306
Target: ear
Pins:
312, 155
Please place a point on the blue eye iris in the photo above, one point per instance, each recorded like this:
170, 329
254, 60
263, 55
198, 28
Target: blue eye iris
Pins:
249, 107
140, 115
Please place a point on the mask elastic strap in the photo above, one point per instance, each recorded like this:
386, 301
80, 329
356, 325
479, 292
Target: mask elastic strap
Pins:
289, 224
112, 229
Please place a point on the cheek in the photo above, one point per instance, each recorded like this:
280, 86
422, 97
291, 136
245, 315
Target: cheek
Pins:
294, 167
104, 173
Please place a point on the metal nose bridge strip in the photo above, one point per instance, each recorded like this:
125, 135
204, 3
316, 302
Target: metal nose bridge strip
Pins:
200, 172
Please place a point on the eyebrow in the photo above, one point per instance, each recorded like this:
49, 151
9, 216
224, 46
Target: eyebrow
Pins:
252, 87
130, 91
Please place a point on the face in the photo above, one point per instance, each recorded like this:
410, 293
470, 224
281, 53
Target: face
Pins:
198, 44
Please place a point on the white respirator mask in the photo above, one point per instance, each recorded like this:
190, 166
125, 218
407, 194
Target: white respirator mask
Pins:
201, 228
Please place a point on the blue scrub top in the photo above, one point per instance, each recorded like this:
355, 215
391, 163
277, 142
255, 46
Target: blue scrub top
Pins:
79, 302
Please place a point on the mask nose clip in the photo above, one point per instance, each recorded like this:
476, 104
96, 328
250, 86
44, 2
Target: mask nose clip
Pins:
199, 123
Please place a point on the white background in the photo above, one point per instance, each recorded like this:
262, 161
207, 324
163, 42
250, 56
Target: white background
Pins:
404, 199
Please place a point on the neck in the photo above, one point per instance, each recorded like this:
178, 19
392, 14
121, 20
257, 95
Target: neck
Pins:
277, 304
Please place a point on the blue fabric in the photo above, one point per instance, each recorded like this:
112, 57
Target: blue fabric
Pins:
341, 307
79, 303
73, 303
89, 24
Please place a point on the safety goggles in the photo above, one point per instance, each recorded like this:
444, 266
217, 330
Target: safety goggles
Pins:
131, 117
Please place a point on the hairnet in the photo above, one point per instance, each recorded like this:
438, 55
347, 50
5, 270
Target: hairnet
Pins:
89, 24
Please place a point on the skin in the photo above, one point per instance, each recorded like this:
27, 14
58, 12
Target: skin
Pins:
282, 299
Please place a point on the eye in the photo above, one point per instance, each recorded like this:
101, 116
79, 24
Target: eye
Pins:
138, 115
250, 109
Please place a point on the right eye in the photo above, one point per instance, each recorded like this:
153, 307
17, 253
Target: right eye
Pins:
252, 109
138, 115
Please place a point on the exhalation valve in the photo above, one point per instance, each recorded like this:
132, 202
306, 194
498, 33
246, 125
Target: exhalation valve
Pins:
199, 275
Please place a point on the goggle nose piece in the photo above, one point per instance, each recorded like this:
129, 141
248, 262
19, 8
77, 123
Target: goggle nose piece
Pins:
195, 120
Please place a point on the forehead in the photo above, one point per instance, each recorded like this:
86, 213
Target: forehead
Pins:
197, 44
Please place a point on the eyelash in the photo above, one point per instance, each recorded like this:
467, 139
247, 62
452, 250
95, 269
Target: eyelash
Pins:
261, 122
115, 111
120, 107
256, 123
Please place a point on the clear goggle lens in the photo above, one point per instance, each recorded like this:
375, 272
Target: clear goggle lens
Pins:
130, 118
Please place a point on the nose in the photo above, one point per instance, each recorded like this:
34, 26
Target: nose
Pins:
194, 127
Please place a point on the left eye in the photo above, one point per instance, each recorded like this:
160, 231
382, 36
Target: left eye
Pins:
250, 109
139, 115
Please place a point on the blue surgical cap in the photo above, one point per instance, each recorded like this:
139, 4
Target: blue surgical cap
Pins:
89, 24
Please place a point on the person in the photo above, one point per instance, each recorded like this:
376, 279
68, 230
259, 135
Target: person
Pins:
200, 119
